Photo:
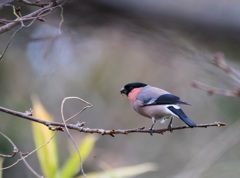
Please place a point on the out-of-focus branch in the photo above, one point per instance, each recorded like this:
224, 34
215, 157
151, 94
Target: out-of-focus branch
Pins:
219, 61
57, 126
213, 90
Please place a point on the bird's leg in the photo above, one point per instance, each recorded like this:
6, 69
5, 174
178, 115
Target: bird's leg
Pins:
170, 124
151, 128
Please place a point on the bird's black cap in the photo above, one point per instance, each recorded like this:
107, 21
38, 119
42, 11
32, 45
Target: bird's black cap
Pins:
130, 86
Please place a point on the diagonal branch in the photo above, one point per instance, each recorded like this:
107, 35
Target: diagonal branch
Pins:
57, 126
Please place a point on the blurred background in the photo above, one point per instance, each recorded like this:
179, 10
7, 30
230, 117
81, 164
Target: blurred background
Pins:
106, 44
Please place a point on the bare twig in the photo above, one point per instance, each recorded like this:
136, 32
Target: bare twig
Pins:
79, 126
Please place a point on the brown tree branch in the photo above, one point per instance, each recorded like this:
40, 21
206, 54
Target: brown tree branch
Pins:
57, 126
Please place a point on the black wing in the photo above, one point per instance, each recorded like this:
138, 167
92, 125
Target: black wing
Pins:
165, 99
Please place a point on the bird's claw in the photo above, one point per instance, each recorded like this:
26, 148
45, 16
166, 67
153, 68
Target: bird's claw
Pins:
151, 131
170, 128
170, 125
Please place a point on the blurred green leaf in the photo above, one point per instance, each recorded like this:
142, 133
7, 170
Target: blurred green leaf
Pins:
124, 172
1, 162
72, 165
47, 155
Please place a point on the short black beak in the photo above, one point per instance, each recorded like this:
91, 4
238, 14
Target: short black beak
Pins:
123, 91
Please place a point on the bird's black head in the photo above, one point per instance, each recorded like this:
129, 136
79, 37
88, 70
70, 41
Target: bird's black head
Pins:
130, 86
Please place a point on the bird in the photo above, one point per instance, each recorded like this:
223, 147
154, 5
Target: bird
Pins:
155, 103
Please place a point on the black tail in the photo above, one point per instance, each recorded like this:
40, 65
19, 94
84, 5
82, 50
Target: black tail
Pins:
182, 116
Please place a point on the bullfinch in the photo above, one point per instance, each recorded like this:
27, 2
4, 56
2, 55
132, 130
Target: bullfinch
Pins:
155, 103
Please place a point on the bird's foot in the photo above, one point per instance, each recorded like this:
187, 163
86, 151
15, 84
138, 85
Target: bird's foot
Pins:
151, 128
170, 125
170, 128
151, 131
